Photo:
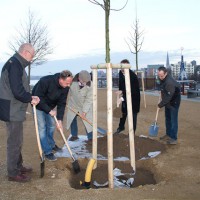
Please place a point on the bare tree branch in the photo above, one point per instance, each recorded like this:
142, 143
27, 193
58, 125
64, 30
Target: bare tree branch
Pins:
34, 32
135, 41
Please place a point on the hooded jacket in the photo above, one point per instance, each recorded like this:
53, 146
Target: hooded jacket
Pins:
51, 94
170, 92
14, 89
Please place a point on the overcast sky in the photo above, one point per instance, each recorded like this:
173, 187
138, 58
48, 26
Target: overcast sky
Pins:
77, 26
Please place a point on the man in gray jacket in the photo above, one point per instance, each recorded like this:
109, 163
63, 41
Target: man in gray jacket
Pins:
80, 99
14, 99
171, 98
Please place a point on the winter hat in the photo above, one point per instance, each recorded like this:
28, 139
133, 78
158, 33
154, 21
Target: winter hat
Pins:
85, 76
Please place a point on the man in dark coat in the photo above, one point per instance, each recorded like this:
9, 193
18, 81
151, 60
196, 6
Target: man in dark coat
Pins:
135, 95
14, 99
171, 98
52, 91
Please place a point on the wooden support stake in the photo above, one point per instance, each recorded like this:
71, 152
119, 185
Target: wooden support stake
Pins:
94, 140
110, 126
145, 105
130, 119
113, 66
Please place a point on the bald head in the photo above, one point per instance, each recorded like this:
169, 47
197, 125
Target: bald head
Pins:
27, 51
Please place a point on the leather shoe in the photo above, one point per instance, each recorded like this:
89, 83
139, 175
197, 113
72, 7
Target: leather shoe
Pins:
24, 170
73, 138
21, 178
119, 130
57, 149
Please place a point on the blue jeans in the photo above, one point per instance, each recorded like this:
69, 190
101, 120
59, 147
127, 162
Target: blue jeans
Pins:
171, 121
74, 129
46, 126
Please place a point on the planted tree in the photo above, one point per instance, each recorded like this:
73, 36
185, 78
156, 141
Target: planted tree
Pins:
135, 40
106, 7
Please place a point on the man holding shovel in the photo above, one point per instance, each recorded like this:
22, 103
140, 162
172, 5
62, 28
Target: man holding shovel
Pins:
171, 98
14, 99
53, 91
80, 99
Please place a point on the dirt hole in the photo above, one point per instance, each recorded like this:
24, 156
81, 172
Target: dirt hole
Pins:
100, 176
146, 172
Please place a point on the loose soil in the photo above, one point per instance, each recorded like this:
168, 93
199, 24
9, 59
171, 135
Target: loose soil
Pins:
174, 173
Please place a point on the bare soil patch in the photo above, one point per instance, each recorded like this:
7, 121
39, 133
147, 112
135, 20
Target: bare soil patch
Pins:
175, 171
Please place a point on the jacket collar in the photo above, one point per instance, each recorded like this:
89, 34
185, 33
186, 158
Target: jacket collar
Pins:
22, 60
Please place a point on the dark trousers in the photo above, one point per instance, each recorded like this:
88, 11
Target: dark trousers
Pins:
14, 147
123, 119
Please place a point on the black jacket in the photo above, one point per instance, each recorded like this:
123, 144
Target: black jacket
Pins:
135, 90
51, 94
14, 89
170, 92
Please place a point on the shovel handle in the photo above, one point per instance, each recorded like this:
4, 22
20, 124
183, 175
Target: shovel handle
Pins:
37, 132
100, 130
157, 114
80, 115
63, 136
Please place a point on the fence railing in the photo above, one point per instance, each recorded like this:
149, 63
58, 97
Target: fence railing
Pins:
149, 83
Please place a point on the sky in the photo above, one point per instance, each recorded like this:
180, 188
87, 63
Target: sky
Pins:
77, 28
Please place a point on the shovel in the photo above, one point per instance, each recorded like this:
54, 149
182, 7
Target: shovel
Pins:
153, 129
99, 130
39, 144
75, 164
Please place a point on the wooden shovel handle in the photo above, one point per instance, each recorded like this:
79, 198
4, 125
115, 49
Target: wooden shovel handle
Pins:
37, 132
63, 136
157, 114
80, 115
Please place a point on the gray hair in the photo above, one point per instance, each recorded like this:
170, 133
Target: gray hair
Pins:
26, 46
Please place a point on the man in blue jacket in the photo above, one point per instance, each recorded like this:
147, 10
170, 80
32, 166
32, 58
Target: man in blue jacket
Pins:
52, 91
14, 99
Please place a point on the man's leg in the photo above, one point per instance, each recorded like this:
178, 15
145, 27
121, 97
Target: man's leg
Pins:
168, 121
134, 121
174, 122
74, 127
74, 130
43, 132
14, 147
124, 115
50, 124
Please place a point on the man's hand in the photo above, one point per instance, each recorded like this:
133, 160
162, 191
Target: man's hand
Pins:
35, 100
119, 97
118, 92
53, 113
83, 115
59, 125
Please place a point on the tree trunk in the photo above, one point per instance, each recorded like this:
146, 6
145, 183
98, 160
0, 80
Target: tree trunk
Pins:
107, 14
